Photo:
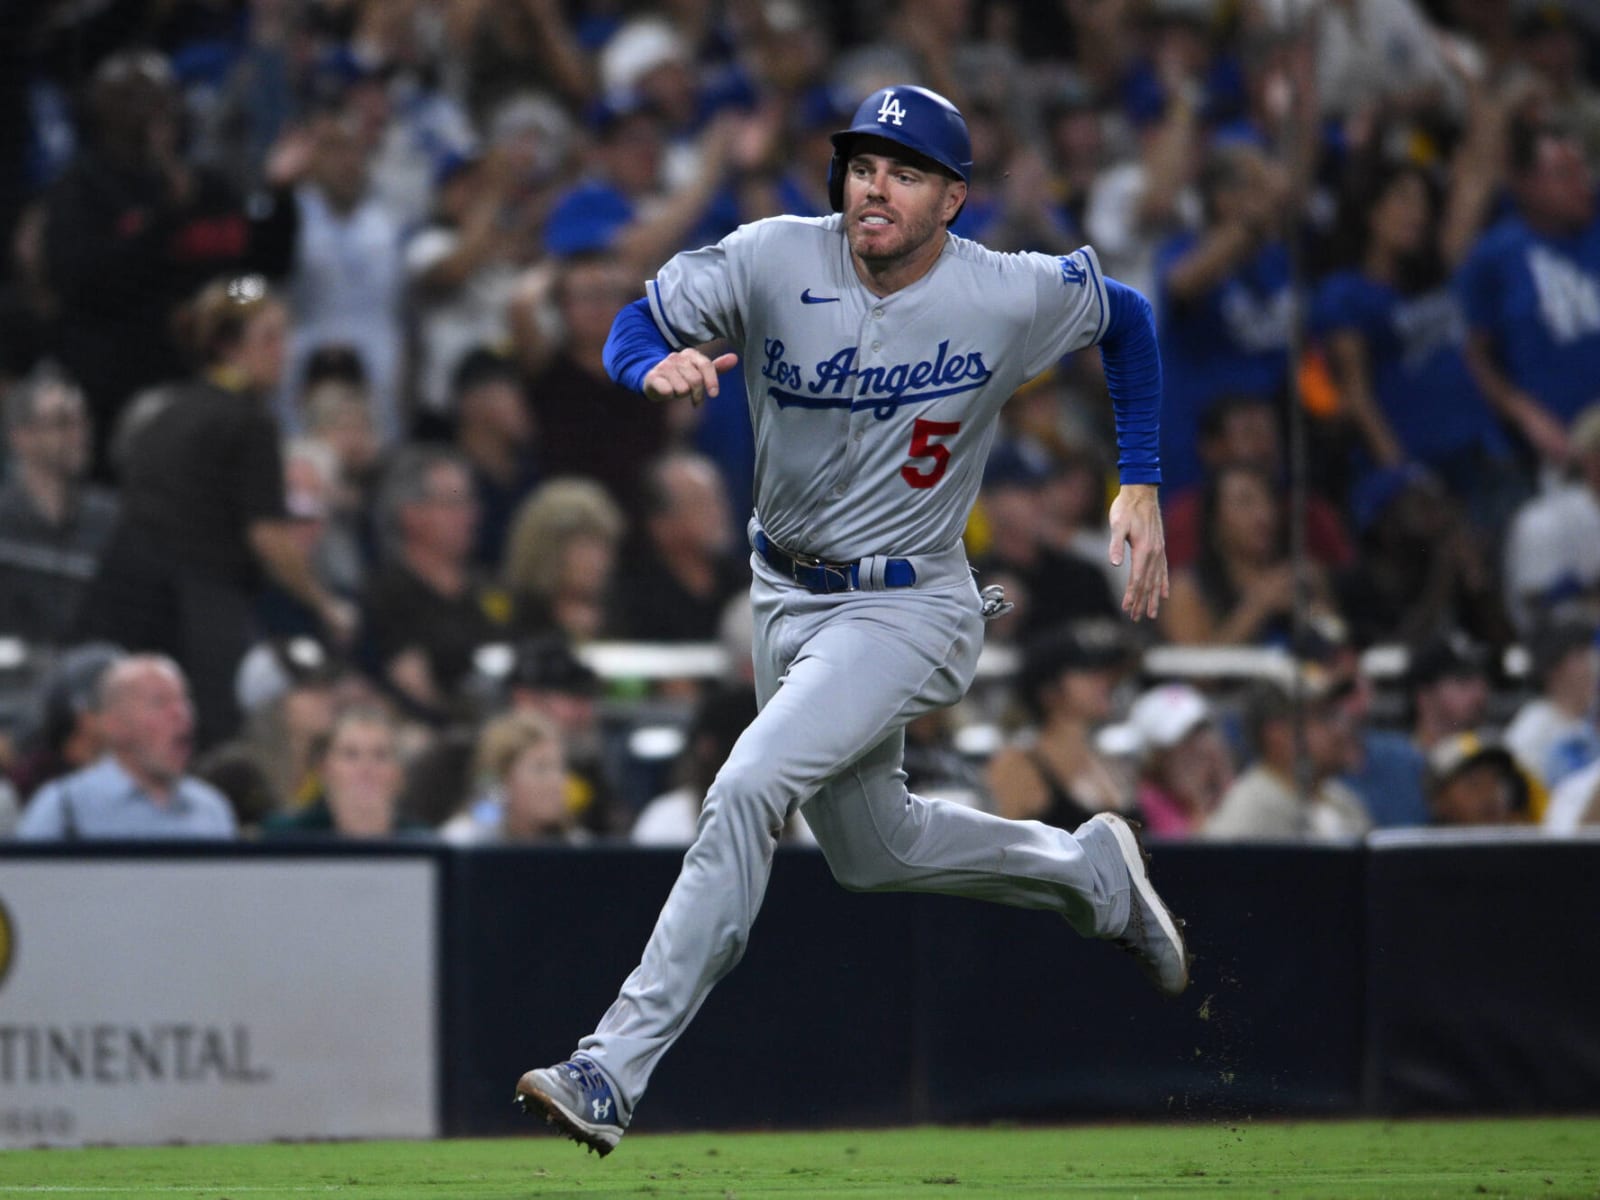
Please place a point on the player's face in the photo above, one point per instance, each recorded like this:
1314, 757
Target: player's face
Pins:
893, 209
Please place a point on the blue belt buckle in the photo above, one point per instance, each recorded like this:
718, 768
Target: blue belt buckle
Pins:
821, 577
824, 578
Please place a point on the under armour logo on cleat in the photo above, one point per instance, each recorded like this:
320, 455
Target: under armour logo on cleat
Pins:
602, 1109
807, 298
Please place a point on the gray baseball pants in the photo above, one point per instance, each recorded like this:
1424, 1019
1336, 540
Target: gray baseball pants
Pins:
838, 678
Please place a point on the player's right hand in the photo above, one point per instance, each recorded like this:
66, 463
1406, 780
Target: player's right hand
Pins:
687, 373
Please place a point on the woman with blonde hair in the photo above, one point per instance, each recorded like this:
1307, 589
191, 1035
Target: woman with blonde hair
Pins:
560, 558
521, 759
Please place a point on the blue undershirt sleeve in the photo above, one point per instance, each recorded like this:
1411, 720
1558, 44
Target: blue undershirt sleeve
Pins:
634, 345
1133, 377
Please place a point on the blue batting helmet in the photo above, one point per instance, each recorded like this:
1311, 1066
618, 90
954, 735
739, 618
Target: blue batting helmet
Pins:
914, 117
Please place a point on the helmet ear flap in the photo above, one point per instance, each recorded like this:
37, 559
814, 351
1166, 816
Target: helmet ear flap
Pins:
836, 174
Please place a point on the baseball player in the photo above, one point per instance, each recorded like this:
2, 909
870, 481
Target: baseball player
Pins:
878, 350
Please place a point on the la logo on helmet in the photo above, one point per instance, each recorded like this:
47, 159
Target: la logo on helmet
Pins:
890, 110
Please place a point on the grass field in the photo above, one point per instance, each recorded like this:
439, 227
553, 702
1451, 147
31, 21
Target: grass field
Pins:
1352, 1160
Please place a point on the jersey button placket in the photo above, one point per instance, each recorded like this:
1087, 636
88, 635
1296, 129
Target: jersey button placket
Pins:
858, 420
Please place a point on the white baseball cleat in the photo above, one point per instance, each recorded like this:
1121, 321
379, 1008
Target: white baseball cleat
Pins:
1153, 935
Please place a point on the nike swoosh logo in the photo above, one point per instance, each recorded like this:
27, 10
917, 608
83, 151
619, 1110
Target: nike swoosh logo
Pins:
807, 298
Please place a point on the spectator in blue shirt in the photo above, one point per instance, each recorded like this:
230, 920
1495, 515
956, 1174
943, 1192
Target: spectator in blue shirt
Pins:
1224, 302
1448, 692
140, 789
1395, 338
624, 205
1183, 53
1386, 769
799, 179
1531, 289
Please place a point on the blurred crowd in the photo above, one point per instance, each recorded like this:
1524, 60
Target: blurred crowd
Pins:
316, 494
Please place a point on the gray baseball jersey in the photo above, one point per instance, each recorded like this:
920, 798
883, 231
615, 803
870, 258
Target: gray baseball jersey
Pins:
873, 416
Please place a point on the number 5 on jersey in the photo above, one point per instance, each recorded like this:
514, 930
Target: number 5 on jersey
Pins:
923, 433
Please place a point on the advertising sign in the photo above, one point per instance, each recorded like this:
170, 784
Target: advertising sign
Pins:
161, 1000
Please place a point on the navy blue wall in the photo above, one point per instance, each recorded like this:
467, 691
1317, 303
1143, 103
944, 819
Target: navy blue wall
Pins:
1484, 977
877, 1009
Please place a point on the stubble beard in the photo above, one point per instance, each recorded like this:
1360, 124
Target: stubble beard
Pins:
902, 249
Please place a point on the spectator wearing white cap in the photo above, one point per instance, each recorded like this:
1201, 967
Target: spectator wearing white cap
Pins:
1185, 765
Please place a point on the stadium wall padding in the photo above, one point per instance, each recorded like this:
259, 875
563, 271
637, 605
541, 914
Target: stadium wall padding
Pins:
1483, 971
1386, 978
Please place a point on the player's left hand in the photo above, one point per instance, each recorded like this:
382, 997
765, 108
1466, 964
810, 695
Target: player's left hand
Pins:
687, 373
1136, 523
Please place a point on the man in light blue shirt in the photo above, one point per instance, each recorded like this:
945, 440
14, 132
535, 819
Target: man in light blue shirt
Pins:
139, 789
